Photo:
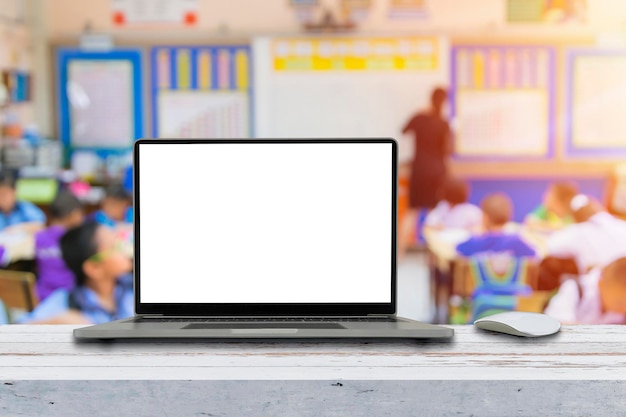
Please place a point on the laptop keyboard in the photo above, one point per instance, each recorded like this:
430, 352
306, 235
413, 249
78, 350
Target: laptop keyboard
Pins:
260, 325
263, 319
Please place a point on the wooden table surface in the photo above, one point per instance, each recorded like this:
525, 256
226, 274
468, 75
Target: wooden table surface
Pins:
31, 352
578, 372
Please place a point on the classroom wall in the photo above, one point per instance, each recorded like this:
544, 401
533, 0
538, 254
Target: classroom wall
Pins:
478, 21
16, 50
68, 17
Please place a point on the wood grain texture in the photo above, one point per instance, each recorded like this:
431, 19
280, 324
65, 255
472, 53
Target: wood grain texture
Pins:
577, 352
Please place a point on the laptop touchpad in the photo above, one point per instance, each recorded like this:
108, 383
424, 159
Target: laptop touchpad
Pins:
198, 326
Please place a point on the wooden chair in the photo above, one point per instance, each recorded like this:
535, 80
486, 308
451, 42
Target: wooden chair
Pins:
17, 291
486, 285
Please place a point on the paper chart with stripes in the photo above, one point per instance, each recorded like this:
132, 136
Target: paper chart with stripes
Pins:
202, 92
503, 100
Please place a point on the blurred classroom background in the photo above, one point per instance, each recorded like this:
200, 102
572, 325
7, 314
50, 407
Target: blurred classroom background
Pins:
535, 95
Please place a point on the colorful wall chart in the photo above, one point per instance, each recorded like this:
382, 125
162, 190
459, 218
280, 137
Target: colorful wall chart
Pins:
502, 101
408, 9
201, 92
596, 99
546, 11
351, 54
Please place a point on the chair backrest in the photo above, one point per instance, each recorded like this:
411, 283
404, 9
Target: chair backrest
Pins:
498, 274
495, 283
17, 290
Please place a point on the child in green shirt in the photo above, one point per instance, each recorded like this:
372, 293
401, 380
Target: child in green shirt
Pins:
553, 212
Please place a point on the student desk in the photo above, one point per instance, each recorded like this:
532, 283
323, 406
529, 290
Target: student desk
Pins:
19, 246
580, 371
442, 244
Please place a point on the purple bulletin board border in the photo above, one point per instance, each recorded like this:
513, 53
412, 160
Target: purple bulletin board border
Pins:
551, 98
570, 147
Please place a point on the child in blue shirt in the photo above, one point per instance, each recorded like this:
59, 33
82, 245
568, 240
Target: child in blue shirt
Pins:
14, 214
497, 212
115, 208
104, 287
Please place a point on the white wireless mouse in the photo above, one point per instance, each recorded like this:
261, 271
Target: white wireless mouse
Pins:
519, 323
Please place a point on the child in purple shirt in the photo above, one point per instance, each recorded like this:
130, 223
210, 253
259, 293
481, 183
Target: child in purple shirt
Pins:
104, 287
65, 212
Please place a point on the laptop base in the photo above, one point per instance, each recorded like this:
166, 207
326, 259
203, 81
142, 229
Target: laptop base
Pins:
254, 330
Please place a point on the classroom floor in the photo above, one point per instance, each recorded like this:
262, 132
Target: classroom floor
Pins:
414, 288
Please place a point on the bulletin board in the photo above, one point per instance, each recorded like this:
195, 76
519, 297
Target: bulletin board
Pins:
100, 100
596, 99
502, 101
201, 92
345, 87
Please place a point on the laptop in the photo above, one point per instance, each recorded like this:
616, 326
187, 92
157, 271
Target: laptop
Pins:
265, 239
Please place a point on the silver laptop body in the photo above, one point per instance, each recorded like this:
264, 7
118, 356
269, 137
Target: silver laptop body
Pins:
265, 239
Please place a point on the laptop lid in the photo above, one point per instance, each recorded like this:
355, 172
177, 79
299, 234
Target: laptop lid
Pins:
264, 227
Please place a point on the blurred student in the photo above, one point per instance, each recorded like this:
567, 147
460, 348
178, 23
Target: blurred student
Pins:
433, 145
17, 215
454, 211
115, 208
104, 287
66, 212
497, 212
597, 297
612, 287
615, 193
553, 213
595, 240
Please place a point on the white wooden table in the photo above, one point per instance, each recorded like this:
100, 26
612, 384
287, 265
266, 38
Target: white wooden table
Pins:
580, 371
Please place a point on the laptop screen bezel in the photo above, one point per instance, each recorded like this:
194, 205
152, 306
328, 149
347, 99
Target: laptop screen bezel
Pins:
262, 309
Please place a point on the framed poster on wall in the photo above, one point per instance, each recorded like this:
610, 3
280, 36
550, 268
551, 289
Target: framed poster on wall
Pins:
99, 100
596, 98
502, 100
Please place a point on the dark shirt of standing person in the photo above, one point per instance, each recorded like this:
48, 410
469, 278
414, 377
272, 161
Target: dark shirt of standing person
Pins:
431, 134
433, 144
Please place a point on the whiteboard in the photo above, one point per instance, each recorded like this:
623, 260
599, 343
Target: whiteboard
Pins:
342, 103
599, 100
502, 122
100, 96
203, 114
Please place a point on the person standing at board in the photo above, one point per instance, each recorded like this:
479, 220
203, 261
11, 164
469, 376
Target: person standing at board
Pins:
433, 145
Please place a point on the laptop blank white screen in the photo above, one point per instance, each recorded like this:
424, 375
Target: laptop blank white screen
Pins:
265, 223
